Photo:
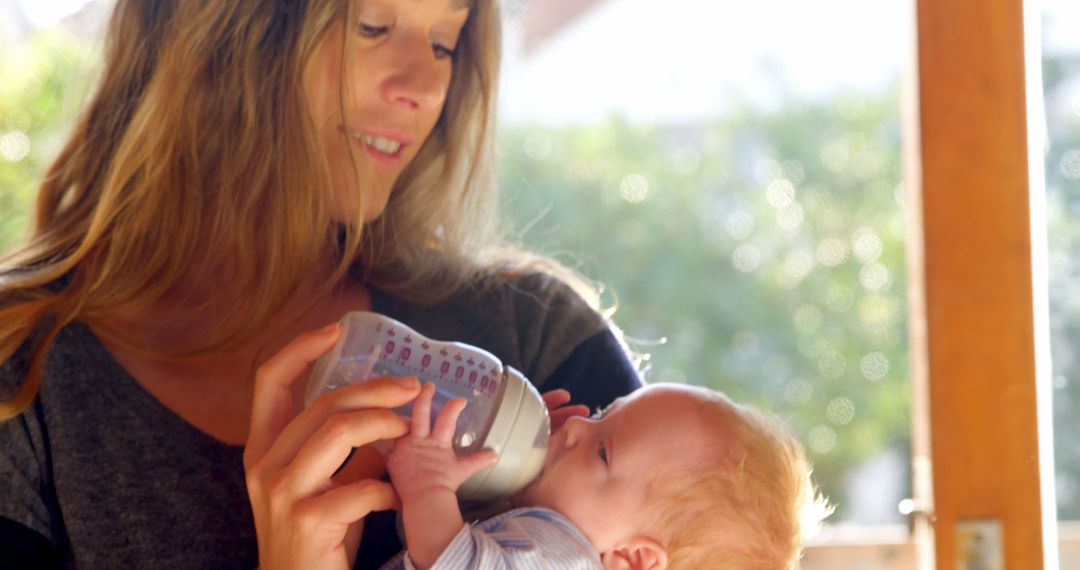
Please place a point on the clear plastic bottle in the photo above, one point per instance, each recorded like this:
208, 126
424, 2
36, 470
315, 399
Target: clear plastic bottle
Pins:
505, 413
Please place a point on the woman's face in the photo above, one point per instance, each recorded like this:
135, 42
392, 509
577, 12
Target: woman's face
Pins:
399, 60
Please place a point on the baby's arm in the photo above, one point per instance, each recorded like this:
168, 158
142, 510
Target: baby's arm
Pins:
426, 473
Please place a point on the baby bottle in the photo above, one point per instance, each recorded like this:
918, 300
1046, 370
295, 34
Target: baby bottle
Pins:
504, 412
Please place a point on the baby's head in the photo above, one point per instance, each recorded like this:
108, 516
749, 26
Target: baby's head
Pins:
682, 477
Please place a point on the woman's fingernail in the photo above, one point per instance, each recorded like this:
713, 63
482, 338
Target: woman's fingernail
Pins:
410, 382
327, 328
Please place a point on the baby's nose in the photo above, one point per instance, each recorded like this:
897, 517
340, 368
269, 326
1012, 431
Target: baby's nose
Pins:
573, 429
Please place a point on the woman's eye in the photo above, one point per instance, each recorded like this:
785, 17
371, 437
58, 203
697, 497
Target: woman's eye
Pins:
442, 51
370, 31
603, 452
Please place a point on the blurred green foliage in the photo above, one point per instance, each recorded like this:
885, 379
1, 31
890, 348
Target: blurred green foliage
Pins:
761, 253
1061, 79
42, 85
766, 248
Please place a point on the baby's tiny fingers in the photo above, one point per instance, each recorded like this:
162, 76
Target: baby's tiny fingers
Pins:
446, 423
421, 411
477, 462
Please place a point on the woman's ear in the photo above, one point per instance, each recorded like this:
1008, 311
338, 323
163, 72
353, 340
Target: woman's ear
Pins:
637, 553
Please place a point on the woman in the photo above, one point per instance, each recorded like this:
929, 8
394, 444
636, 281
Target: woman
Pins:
249, 170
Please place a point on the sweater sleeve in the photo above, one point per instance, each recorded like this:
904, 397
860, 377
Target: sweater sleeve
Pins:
565, 343
597, 372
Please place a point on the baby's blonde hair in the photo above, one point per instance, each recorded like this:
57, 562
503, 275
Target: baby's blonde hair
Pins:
751, 507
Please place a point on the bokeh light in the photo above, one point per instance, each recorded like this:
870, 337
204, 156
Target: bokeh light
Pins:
798, 392
1070, 164
634, 188
790, 218
822, 439
874, 366
739, 224
746, 258
832, 252
866, 245
874, 276
780, 193
767, 170
832, 364
840, 411
795, 267
878, 311
808, 318
14, 146
794, 171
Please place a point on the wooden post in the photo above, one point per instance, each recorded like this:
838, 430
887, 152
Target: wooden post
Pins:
976, 250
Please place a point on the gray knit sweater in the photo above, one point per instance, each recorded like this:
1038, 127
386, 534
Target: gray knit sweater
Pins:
110, 478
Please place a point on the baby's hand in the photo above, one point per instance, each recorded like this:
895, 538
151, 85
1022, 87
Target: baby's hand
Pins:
423, 461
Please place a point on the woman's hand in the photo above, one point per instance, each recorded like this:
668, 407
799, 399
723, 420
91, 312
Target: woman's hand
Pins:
558, 411
305, 516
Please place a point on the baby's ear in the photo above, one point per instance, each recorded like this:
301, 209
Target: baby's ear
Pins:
637, 553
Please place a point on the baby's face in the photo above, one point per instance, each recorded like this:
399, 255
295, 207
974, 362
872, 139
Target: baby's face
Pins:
597, 469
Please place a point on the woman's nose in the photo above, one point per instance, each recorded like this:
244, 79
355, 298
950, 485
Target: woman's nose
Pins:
417, 82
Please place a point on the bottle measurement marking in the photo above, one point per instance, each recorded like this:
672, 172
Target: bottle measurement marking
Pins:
457, 370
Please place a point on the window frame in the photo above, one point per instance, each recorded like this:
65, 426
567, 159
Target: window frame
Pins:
977, 281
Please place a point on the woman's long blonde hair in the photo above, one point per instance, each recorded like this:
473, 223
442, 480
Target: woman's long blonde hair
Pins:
197, 153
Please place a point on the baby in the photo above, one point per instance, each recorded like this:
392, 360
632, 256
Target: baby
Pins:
670, 476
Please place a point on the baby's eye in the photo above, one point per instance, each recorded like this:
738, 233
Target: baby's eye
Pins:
602, 452
370, 31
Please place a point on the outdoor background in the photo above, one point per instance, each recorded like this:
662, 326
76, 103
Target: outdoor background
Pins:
733, 177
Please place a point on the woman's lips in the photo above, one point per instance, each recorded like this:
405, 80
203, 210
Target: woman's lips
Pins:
383, 146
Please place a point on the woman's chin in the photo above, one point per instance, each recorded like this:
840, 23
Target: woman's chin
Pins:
346, 207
